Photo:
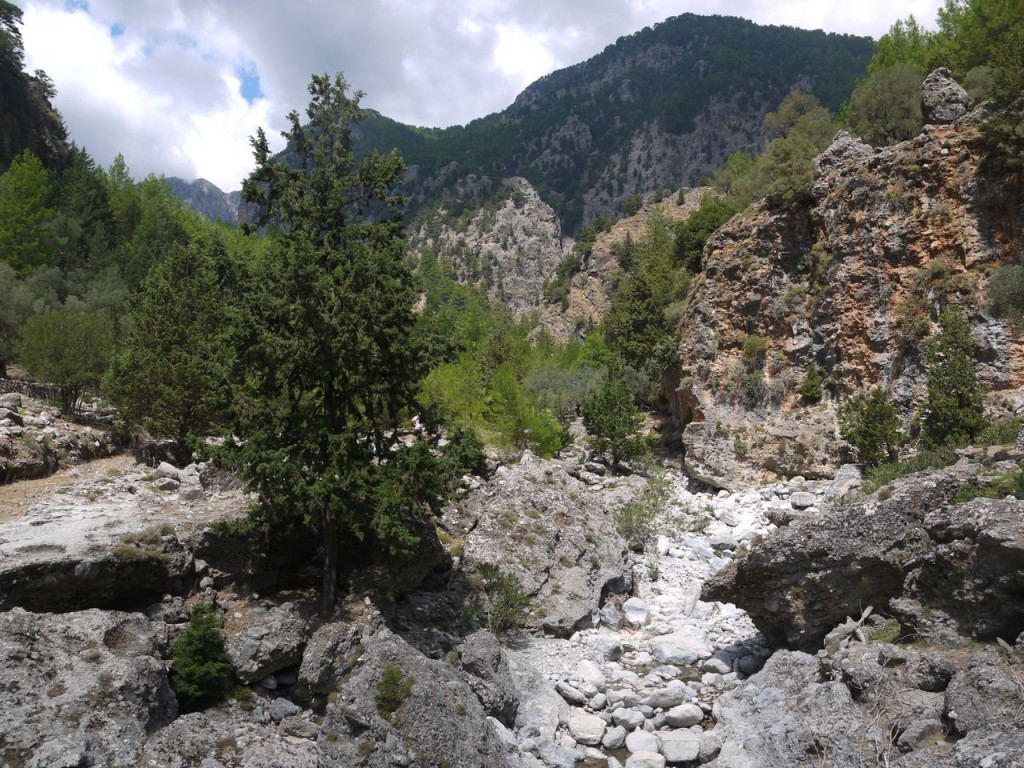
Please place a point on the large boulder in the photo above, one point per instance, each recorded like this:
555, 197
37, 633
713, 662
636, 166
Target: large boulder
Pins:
488, 675
271, 640
540, 521
438, 721
82, 688
943, 100
943, 569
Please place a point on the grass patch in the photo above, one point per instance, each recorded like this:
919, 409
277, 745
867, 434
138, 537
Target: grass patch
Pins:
887, 633
1007, 484
883, 474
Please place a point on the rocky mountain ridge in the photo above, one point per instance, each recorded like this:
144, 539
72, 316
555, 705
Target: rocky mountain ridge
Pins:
852, 284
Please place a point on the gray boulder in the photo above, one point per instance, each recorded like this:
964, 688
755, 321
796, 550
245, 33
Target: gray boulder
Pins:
330, 653
488, 675
271, 641
943, 100
83, 688
440, 721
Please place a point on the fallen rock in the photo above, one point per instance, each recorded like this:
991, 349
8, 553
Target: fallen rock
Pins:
272, 640
943, 100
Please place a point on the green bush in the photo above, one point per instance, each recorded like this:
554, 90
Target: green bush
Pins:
883, 474
508, 601
953, 410
810, 390
1006, 291
392, 689
886, 108
612, 419
870, 423
200, 667
637, 519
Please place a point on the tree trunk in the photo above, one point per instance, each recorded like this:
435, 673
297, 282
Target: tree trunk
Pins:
329, 591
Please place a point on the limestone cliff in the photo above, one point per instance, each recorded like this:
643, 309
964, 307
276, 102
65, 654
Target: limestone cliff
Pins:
854, 284
509, 246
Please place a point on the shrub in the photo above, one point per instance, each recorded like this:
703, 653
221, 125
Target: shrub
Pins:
612, 419
810, 390
509, 602
755, 350
200, 665
392, 689
953, 410
637, 519
870, 423
886, 108
883, 474
1006, 291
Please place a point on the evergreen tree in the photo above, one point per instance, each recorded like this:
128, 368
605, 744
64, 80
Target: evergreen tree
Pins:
170, 375
612, 419
200, 661
953, 410
26, 237
328, 365
886, 108
870, 423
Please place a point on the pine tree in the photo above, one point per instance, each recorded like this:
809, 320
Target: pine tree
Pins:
953, 410
870, 423
328, 365
612, 419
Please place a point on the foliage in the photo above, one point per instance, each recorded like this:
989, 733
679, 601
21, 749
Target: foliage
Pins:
1006, 291
871, 424
508, 602
1007, 484
612, 419
637, 519
883, 474
328, 365
1003, 128
906, 42
68, 349
200, 666
26, 234
392, 689
783, 173
171, 373
632, 205
810, 389
693, 233
522, 423
886, 108
953, 410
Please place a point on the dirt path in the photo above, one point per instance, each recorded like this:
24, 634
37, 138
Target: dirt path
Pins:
17, 498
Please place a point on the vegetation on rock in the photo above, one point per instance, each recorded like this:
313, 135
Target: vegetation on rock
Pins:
953, 410
200, 664
871, 424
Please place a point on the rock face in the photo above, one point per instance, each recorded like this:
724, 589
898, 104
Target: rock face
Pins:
852, 284
539, 521
439, 721
82, 688
589, 296
509, 247
36, 442
942, 569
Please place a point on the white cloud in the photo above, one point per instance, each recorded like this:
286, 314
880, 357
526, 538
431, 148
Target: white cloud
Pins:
165, 91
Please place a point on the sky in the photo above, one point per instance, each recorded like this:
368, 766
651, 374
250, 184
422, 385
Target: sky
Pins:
179, 86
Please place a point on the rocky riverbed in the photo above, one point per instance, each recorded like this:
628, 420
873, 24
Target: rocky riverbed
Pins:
628, 658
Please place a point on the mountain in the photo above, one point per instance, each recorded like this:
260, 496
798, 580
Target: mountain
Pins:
659, 109
207, 199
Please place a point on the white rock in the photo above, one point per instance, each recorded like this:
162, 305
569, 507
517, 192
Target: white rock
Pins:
645, 760
628, 718
588, 672
636, 612
586, 728
614, 737
641, 741
684, 715
679, 746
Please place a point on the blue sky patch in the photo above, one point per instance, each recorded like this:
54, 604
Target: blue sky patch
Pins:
116, 30
250, 87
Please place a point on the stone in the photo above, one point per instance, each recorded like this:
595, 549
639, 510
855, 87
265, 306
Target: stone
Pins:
614, 737
679, 746
628, 718
299, 727
683, 647
588, 672
802, 500
943, 100
636, 612
586, 728
570, 693
684, 715
641, 741
919, 733
270, 642
672, 695
280, 708
646, 759
611, 616
489, 676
